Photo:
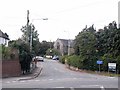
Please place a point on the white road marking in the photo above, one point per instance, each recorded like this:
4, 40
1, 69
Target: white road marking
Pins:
102, 88
14, 81
58, 87
111, 77
71, 88
30, 80
22, 81
90, 86
8, 82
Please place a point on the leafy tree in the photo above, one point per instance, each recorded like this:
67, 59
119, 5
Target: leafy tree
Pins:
85, 42
104, 44
44, 46
53, 52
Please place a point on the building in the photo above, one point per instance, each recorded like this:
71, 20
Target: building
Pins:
71, 44
3, 38
64, 46
119, 14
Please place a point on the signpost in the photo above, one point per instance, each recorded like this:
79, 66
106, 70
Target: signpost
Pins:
112, 67
99, 62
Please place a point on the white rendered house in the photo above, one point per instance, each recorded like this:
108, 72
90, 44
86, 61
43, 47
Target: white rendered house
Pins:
3, 38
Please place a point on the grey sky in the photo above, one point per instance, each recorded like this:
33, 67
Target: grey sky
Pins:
66, 18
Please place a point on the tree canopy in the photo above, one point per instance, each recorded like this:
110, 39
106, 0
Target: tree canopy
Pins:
104, 44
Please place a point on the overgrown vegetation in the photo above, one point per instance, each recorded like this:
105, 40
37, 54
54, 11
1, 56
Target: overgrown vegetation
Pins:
8, 53
92, 45
63, 59
53, 52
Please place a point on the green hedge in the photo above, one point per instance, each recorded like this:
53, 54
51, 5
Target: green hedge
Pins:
74, 61
89, 63
63, 58
6, 53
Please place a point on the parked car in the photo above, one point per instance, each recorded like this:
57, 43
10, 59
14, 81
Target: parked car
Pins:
39, 58
49, 56
55, 57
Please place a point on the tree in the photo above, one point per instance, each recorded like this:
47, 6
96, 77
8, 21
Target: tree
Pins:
108, 44
85, 47
53, 52
44, 46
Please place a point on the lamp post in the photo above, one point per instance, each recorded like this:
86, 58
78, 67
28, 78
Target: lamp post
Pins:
31, 31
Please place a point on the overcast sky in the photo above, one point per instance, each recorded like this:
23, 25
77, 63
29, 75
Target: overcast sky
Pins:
66, 18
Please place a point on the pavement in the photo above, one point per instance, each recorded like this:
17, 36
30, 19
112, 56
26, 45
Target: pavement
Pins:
36, 72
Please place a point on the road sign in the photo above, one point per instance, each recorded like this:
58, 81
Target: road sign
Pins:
112, 66
99, 62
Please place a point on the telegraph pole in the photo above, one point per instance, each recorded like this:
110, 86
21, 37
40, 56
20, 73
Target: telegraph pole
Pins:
28, 18
119, 14
29, 30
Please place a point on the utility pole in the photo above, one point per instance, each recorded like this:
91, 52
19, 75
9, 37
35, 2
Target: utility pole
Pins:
29, 31
28, 18
119, 14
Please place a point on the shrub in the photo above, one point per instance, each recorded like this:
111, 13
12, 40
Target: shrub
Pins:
107, 58
75, 61
5, 52
63, 58
118, 64
8, 53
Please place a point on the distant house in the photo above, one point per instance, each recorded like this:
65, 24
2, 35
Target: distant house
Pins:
3, 38
64, 46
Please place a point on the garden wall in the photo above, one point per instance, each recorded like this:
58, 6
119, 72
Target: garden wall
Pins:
10, 68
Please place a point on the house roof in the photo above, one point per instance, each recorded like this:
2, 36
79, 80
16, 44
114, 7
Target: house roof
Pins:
4, 35
67, 42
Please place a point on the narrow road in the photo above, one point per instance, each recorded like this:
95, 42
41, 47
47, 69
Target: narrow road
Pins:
56, 75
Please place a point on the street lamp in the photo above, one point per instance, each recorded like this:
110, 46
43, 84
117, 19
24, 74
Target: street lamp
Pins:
39, 19
32, 27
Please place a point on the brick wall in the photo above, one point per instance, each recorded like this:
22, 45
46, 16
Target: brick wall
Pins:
10, 68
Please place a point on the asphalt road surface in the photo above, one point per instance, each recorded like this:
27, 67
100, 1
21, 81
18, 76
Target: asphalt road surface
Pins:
56, 75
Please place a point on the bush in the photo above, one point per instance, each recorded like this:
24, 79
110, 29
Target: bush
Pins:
74, 61
107, 58
82, 62
5, 52
118, 64
8, 53
63, 58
